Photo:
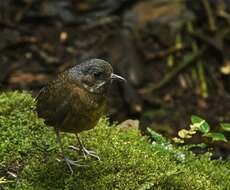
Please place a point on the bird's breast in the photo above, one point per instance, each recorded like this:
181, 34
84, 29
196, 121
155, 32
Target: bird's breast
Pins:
84, 112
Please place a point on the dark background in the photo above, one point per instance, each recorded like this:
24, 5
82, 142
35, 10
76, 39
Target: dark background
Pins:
174, 55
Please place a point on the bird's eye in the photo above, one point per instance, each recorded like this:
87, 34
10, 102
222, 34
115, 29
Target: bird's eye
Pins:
98, 74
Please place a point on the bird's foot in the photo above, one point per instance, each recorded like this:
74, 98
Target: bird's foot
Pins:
87, 153
74, 148
74, 163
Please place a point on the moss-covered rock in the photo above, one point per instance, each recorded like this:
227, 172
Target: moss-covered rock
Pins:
30, 157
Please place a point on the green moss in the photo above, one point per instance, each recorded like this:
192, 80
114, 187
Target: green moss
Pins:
29, 150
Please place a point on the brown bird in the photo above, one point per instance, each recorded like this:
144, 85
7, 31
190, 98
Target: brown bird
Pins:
76, 100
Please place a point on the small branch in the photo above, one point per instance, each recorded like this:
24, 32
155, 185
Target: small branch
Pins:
211, 19
164, 53
168, 78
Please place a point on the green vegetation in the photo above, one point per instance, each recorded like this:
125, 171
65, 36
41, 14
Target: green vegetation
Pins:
200, 125
29, 157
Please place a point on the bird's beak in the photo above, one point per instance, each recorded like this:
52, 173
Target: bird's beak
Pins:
117, 77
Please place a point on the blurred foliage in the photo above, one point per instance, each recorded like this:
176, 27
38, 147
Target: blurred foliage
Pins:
29, 157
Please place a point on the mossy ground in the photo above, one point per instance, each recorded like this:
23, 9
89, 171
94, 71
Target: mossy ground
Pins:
29, 153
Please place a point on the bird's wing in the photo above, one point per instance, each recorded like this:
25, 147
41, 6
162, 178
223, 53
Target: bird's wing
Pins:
53, 103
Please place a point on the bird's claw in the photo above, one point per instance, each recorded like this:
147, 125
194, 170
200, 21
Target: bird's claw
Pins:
90, 153
86, 152
74, 147
74, 163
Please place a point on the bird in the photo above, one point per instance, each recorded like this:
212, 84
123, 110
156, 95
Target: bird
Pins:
75, 101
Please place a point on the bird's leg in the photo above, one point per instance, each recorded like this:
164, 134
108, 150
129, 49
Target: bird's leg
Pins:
67, 160
85, 151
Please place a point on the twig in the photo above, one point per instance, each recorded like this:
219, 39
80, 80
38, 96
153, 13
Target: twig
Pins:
184, 63
200, 67
20, 41
164, 53
211, 19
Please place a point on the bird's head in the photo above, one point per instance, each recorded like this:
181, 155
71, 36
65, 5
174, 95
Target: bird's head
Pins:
95, 75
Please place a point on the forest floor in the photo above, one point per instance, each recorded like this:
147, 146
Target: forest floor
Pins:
174, 55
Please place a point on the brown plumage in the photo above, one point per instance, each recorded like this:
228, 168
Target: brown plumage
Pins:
76, 100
